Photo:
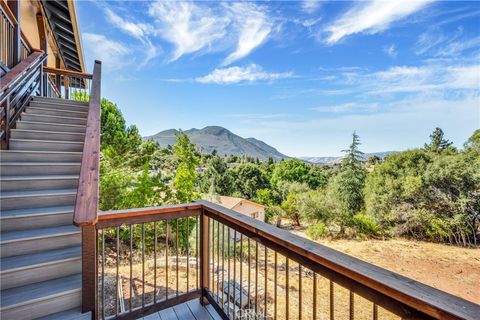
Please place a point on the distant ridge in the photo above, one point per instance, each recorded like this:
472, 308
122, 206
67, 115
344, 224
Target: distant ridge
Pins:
223, 141
335, 160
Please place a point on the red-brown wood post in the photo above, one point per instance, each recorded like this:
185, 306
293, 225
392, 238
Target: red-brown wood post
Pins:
204, 258
89, 270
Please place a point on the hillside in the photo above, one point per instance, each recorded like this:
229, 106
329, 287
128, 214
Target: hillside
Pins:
336, 160
223, 141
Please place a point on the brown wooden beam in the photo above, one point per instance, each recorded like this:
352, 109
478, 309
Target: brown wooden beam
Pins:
42, 32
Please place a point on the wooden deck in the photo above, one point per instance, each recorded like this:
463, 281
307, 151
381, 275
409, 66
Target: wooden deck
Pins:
190, 310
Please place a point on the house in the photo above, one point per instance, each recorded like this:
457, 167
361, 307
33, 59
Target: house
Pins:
62, 259
247, 207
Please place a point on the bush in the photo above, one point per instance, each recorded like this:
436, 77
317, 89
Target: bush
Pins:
273, 215
365, 224
316, 231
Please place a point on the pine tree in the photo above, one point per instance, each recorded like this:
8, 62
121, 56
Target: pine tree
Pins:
437, 142
353, 156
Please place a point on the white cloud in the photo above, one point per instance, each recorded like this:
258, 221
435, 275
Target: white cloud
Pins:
189, 27
310, 6
140, 31
391, 51
110, 52
253, 27
372, 17
349, 107
250, 73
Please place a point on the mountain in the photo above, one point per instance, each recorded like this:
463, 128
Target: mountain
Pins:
223, 141
336, 160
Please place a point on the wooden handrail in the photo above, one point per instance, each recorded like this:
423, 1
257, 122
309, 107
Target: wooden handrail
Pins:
8, 12
86, 204
357, 274
61, 72
16, 73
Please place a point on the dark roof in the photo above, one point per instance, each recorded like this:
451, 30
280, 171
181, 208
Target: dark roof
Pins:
64, 28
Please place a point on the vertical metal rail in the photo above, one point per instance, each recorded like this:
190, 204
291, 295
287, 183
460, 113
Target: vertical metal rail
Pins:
167, 231
241, 275
228, 274
249, 272
256, 277
332, 303
218, 262
300, 304
155, 262
265, 291
275, 287
234, 272
176, 253
143, 265
117, 262
188, 256
131, 267
314, 311
287, 289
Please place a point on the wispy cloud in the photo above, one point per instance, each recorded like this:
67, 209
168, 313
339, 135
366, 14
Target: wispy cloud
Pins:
349, 107
253, 27
436, 43
310, 6
391, 50
250, 73
189, 27
110, 52
140, 31
372, 17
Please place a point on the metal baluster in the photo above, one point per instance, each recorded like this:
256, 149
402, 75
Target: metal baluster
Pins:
275, 287
352, 306
228, 274
314, 296
166, 259
218, 261
212, 254
223, 266
176, 252
197, 249
103, 273
188, 257
332, 304
117, 229
256, 277
266, 283
234, 272
241, 274
286, 289
131, 268
155, 262
249, 272
299, 291
375, 312
143, 265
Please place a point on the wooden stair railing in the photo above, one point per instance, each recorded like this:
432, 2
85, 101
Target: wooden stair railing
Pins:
233, 260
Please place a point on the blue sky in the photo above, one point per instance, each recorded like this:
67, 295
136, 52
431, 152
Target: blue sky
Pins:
301, 76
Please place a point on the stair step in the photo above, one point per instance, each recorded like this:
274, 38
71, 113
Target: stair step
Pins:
37, 199
39, 156
58, 106
34, 218
58, 101
45, 145
42, 298
21, 270
39, 168
57, 112
30, 116
43, 182
46, 126
23, 242
47, 135
72, 314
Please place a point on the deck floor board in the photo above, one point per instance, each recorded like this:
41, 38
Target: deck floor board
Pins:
190, 310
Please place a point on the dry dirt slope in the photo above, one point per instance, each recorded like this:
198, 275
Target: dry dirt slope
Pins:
448, 268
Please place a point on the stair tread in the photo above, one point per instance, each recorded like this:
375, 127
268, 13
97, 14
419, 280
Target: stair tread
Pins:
41, 152
41, 258
46, 131
48, 141
56, 110
50, 116
21, 235
52, 123
72, 314
59, 100
45, 177
40, 163
33, 193
36, 211
41, 290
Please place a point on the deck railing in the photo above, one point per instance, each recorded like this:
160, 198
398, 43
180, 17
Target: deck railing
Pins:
144, 260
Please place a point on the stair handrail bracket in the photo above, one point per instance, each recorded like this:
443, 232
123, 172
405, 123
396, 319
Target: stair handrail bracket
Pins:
86, 204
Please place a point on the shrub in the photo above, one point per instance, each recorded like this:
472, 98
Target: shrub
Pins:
365, 224
316, 231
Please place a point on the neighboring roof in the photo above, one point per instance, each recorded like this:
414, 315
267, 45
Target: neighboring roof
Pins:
229, 202
62, 18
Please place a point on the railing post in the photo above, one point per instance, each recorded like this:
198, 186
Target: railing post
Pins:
14, 6
89, 270
204, 258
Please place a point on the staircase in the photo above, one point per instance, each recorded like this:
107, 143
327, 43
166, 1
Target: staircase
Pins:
41, 251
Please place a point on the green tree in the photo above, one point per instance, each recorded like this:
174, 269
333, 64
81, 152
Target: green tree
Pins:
353, 156
437, 141
473, 143
294, 170
249, 178
185, 175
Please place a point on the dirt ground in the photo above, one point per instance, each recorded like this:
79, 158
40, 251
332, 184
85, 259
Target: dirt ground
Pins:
448, 268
